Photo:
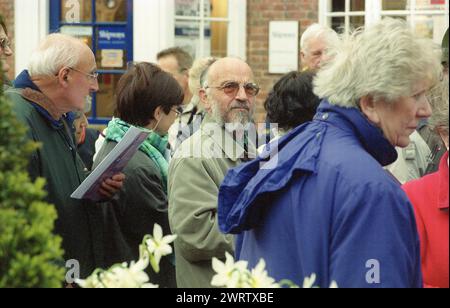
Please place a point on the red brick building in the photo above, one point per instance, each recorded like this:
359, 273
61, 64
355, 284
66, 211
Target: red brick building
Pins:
229, 27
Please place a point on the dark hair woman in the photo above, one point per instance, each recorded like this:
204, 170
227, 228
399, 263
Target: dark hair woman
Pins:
290, 103
149, 98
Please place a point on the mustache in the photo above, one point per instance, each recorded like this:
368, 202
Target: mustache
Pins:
239, 106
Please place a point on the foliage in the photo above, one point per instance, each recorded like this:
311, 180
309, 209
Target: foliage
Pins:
29, 251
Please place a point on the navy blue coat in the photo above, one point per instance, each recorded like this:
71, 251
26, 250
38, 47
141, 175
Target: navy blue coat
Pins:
327, 208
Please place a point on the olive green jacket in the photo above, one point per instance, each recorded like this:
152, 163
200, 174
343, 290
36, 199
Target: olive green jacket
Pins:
140, 204
79, 223
195, 174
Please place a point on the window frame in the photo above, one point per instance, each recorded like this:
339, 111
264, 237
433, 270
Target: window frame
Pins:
56, 24
237, 25
374, 12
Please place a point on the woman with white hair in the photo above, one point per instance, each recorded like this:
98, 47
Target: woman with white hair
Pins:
328, 207
429, 196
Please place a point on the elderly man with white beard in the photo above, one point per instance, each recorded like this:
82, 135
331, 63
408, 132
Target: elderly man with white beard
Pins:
200, 164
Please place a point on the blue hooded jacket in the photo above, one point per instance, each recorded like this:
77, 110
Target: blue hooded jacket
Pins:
328, 207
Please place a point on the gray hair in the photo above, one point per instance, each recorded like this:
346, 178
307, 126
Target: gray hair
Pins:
318, 31
198, 72
55, 52
384, 61
438, 97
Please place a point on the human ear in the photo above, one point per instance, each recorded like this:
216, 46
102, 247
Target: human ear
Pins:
63, 77
302, 56
204, 99
369, 108
157, 114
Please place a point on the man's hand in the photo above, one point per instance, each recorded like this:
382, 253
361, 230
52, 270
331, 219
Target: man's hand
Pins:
112, 186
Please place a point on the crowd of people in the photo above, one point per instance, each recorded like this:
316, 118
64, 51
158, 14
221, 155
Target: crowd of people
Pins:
367, 113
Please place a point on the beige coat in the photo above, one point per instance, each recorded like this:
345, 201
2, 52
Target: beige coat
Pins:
195, 174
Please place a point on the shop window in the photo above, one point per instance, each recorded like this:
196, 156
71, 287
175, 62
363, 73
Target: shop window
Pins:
107, 27
345, 15
429, 18
202, 32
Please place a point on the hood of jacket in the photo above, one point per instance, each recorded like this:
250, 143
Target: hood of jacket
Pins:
244, 192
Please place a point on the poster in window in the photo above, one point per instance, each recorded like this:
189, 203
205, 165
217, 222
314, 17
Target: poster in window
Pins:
112, 58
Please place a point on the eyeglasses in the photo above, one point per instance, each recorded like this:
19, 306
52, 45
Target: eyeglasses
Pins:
177, 110
5, 43
232, 88
92, 76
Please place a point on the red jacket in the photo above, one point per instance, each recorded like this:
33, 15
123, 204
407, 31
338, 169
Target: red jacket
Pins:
429, 196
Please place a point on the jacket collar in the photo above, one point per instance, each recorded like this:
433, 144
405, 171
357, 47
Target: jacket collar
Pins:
443, 183
24, 81
224, 140
45, 107
352, 120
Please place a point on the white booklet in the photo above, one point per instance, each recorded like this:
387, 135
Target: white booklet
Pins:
113, 163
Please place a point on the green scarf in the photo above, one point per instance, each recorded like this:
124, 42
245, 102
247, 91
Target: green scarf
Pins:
154, 146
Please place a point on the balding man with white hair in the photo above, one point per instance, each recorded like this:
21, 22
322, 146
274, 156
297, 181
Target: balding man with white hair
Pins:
62, 75
201, 163
314, 44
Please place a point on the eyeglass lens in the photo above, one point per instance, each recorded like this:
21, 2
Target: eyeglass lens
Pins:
232, 88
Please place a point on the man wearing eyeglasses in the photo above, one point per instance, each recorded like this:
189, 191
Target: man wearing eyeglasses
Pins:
5, 52
178, 62
201, 163
61, 75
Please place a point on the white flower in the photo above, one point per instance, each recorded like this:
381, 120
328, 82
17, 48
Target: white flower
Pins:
120, 276
134, 276
229, 274
334, 285
92, 282
149, 286
260, 279
308, 283
158, 246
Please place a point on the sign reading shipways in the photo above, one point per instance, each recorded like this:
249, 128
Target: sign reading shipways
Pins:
112, 38
283, 47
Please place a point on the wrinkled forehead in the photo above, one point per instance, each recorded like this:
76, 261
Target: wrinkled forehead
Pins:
87, 59
316, 44
237, 71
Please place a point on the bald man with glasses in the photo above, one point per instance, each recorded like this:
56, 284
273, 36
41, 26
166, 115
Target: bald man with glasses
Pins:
201, 163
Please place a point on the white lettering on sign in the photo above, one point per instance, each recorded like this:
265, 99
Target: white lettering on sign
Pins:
111, 35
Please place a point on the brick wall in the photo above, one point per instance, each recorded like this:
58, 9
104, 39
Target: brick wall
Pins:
7, 11
259, 14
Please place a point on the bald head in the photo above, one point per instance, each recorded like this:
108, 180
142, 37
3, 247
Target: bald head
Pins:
55, 52
231, 91
226, 68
